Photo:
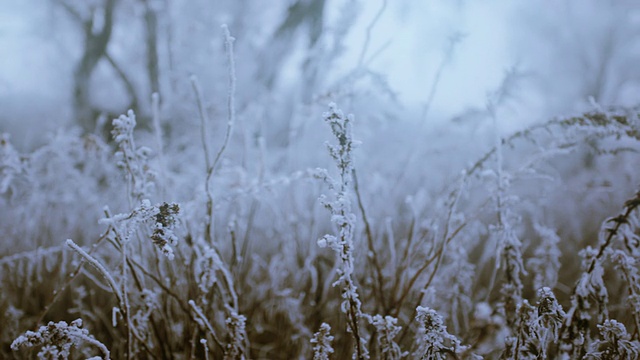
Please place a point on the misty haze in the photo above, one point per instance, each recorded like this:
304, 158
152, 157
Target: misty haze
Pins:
319, 179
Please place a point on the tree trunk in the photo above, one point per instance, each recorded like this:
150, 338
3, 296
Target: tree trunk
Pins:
153, 69
95, 47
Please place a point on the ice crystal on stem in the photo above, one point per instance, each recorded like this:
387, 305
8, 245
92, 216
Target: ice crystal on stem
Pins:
236, 347
615, 344
591, 287
434, 342
550, 318
10, 163
163, 219
386, 330
132, 159
628, 267
344, 219
322, 343
58, 339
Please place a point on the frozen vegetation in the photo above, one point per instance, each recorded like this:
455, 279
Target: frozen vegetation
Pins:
259, 199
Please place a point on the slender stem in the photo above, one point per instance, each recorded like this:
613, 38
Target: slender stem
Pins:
96, 264
200, 315
166, 289
125, 300
231, 100
204, 120
157, 129
368, 33
372, 249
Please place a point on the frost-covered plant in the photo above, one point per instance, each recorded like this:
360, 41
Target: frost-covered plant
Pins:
386, 330
156, 222
282, 284
213, 164
511, 260
213, 277
237, 345
322, 343
628, 270
139, 177
616, 343
550, 317
10, 163
344, 219
535, 328
523, 344
433, 339
508, 244
565, 135
57, 340
133, 160
54, 190
163, 220
591, 286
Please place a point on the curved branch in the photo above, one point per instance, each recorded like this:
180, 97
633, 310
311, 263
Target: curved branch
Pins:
133, 105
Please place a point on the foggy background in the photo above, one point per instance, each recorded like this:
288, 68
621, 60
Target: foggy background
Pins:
488, 132
447, 55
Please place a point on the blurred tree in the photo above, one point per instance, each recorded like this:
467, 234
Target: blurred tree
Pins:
300, 16
96, 20
151, 34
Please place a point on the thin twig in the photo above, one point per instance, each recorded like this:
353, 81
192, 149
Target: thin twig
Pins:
367, 38
206, 323
372, 248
